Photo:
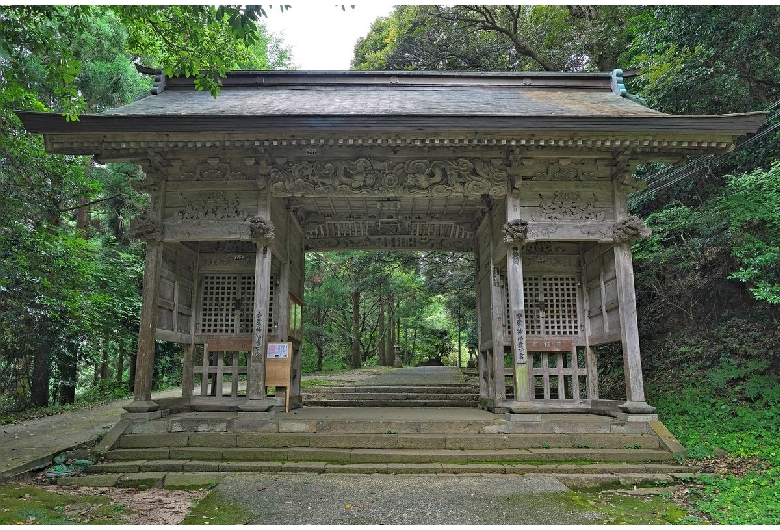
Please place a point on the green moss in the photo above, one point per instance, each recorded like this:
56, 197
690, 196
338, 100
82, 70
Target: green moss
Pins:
615, 508
213, 509
26, 504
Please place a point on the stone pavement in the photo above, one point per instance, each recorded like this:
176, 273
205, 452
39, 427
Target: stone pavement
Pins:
32, 444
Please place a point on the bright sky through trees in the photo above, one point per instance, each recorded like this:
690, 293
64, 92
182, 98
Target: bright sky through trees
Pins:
321, 34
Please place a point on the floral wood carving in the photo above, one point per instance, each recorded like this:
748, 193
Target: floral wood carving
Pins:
211, 206
145, 228
437, 178
260, 229
515, 231
630, 229
567, 206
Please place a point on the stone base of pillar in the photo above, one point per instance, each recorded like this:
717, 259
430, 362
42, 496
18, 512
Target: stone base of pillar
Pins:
636, 407
397, 362
141, 406
141, 416
257, 405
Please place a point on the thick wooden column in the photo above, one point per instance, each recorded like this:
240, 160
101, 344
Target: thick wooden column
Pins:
496, 383
255, 388
144, 365
515, 232
629, 332
148, 226
629, 329
514, 268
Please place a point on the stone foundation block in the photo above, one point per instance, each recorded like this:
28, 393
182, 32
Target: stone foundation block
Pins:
147, 427
250, 425
141, 416
586, 480
251, 467
134, 441
196, 453
200, 465
141, 480
254, 454
303, 467
460, 469
273, 440
211, 439
364, 469
192, 480
297, 426
310, 454
116, 467
406, 469
197, 425
631, 479
93, 481
149, 453
161, 465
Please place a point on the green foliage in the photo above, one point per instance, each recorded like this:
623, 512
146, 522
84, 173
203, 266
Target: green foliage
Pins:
751, 203
705, 59
203, 42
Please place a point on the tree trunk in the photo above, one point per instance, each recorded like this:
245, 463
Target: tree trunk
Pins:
120, 362
320, 352
355, 329
131, 379
390, 332
68, 366
381, 346
40, 378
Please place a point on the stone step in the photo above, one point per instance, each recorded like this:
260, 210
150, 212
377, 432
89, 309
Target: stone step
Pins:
400, 400
417, 389
407, 456
197, 473
389, 440
386, 396
452, 395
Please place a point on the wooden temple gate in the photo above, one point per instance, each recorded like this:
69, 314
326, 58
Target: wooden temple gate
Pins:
529, 171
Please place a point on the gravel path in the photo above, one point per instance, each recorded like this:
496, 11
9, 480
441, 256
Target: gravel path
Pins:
337, 499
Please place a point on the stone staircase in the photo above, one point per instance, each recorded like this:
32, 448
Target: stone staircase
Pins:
579, 449
440, 395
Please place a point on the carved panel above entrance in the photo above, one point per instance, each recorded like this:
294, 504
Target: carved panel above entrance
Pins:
368, 177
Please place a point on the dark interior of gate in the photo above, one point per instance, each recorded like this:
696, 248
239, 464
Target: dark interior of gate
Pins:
529, 171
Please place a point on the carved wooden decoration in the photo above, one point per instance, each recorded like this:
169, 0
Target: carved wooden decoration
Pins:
146, 228
630, 229
212, 206
567, 206
428, 178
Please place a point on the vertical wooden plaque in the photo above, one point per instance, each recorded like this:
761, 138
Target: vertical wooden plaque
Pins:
278, 364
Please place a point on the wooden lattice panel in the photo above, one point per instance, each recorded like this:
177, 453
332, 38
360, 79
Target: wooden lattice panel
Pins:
551, 305
226, 304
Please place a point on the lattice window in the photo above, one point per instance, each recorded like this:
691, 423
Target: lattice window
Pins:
220, 292
227, 304
551, 305
532, 292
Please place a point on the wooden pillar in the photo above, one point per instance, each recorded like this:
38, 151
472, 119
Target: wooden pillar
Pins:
144, 363
188, 376
256, 372
515, 232
629, 329
521, 373
496, 383
148, 226
629, 332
